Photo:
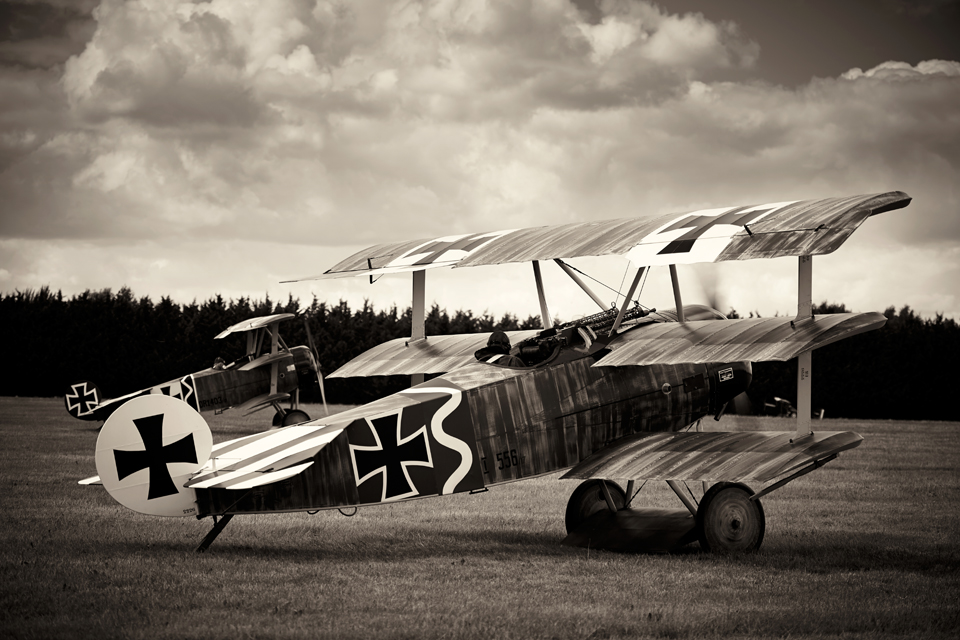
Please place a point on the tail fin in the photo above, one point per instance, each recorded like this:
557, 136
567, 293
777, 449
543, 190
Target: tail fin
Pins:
82, 399
148, 449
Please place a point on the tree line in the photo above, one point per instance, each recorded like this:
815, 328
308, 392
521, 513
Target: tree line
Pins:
125, 343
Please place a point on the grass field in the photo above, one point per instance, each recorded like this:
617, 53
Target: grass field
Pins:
867, 547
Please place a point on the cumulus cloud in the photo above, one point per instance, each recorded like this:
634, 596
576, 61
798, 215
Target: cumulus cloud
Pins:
349, 123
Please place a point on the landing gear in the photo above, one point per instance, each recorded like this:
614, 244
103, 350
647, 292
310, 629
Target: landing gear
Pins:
728, 521
588, 498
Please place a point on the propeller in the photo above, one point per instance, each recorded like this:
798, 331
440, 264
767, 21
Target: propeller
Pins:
709, 279
316, 360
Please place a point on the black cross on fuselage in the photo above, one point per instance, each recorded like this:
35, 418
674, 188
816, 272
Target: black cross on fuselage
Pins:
391, 456
702, 224
155, 456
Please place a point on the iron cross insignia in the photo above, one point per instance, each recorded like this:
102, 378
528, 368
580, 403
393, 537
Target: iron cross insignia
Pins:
155, 456
82, 399
391, 457
701, 224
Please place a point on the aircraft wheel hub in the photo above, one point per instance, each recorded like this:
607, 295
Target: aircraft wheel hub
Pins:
728, 521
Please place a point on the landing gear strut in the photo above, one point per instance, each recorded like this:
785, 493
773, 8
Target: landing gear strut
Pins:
727, 520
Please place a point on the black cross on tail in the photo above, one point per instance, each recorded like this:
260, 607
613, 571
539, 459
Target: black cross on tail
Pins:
392, 456
155, 456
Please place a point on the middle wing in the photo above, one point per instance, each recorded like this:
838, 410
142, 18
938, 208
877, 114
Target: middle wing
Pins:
744, 339
436, 354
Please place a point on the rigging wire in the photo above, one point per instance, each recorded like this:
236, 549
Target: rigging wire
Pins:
622, 280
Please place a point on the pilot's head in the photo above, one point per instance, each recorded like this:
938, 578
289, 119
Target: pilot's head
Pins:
499, 340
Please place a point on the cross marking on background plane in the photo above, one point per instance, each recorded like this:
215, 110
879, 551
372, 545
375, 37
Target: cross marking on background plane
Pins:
85, 398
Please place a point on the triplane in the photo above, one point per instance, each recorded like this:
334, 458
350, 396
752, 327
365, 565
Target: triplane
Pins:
269, 374
612, 397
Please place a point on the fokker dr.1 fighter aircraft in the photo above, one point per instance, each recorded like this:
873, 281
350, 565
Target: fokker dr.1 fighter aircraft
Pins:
614, 396
269, 374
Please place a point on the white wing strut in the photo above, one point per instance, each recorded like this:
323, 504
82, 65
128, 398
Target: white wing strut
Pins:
805, 359
418, 329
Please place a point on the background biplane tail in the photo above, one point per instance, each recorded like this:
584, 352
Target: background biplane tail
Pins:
82, 399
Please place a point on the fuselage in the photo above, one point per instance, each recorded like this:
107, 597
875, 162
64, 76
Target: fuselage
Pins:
218, 389
483, 424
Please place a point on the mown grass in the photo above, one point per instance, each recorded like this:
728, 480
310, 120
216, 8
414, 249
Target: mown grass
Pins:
864, 548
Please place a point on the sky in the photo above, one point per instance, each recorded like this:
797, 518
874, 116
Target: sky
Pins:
222, 147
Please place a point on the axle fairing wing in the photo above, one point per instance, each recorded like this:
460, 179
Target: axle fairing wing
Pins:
753, 456
805, 227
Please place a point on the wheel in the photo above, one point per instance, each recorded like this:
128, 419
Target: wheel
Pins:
588, 498
728, 521
294, 417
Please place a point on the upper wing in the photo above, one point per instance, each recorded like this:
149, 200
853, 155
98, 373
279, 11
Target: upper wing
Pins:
436, 354
752, 339
254, 323
805, 227
757, 456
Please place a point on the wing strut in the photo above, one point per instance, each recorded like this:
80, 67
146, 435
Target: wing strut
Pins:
544, 311
626, 302
676, 293
805, 359
418, 329
583, 285
274, 349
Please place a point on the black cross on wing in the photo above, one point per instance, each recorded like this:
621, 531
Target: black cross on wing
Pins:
701, 224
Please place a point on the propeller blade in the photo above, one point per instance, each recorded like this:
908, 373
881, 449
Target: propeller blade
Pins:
316, 359
323, 394
709, 280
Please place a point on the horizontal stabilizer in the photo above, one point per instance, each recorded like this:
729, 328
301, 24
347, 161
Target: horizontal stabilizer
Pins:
262, 458
757, 456
436, 354
744, 339
261, 402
